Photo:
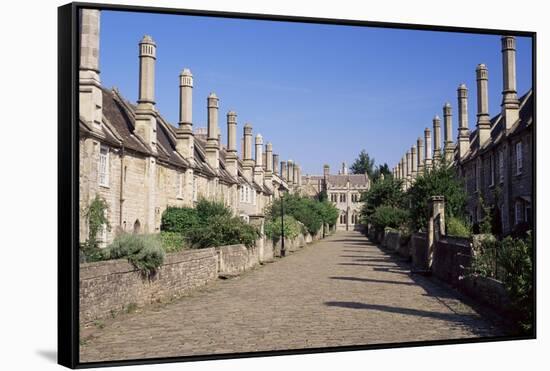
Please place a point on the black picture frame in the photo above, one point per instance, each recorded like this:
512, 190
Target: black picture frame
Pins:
68, 170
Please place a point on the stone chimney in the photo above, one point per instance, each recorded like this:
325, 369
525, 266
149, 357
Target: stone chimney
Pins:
258, 168
146, 123
290, 172
90, 93
414, 162
269, 165
344, 169
296, 174
326, 171
231, 158
483, 120
184, 133
212, 148
449, 145
437, 140
248, 162
420, 146
510, 102
408, 167
284, 170
463, 131
428, 149
275, 163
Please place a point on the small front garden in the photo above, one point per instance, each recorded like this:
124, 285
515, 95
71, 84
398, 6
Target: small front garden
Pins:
209, 224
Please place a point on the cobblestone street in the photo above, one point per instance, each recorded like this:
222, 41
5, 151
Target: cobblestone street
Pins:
339, 291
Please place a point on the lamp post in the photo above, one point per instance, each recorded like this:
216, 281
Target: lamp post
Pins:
281, 196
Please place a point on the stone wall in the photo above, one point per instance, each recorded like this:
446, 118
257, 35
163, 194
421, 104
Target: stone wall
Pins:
110, 286
450, 258
487, 291
234, 259
419, 251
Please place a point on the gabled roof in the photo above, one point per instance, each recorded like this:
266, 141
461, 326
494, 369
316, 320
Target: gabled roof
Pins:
498, 133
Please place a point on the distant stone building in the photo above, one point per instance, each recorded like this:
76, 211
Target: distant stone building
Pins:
141, 164
343, 190
495, 160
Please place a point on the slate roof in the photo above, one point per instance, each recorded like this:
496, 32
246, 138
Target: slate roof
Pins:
498, 134
118, 130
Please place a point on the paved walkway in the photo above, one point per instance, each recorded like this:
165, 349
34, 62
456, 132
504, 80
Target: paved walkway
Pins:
339, 291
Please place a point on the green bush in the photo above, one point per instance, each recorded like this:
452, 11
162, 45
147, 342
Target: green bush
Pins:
207, 209
388, 216
220, 230
143, 251
179, 219
292, 227
516, 260
96, 216
511, 262
172, 241
384, 192
457, 227
440, 181
312, 213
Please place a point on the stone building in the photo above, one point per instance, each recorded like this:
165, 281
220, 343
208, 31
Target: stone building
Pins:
140, 164
343, 190
495, 159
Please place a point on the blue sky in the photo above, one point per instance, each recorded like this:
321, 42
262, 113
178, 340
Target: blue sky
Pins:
319, 93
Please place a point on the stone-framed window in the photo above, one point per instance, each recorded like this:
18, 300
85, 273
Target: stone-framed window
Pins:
519, 158
334, 197
103, 166
501, 166
342, 197
518, 212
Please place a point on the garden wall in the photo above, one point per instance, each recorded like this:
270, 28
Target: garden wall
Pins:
450, 258
109, 287
419, 251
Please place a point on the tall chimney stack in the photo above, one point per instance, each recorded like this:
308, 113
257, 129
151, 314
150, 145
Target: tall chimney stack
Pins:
414, 162
184, 133
212, 146
231, 158
284, 170
269, 165
437, 140
326, 171
290, 172
146, 124
90, 93
428, 149
510, 102
248, 162
275, 163
420, 157
449, 145
408, 167
258, 168
463, 131
483, 121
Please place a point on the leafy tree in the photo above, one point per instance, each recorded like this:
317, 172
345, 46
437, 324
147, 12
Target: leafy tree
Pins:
388, 216
363, 164
179, 219
382, 169
387, 192
440, 181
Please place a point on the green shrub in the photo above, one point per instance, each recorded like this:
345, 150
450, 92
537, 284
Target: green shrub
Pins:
143, 251
511, 262
457, 227
207, 209
312, 213
172, 241
388, 216
220, 230
179, 219
96, 216
516, 260
292, 227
